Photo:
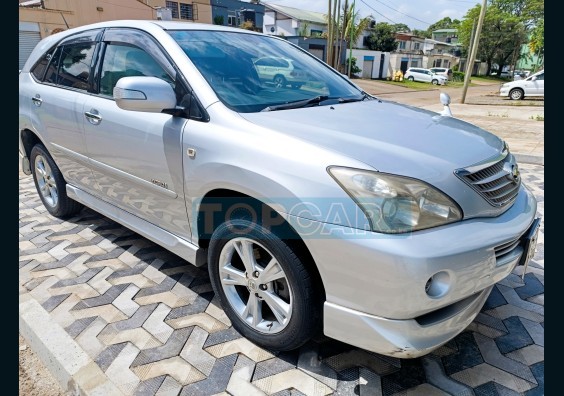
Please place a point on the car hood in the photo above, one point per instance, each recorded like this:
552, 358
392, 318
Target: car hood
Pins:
393, 138
388, 136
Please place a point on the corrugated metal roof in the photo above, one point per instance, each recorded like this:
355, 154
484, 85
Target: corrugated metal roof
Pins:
300, 15
445, 31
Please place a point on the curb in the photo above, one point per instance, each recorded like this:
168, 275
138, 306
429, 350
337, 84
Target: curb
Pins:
74, 370
529, 159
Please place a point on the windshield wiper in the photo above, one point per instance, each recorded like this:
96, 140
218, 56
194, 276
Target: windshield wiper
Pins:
298, 103
315, 100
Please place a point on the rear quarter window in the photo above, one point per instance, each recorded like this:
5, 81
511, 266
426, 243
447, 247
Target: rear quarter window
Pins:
38, 71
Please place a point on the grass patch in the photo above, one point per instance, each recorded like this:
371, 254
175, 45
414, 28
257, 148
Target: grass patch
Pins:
412, 84
538, 117
490, 79
502, 115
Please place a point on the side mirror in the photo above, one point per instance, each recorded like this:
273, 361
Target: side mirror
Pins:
148, 94
445, 100
533, 78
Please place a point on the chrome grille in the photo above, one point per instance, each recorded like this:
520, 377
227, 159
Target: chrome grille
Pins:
498, 183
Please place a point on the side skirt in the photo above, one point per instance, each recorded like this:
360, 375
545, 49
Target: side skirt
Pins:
175, 244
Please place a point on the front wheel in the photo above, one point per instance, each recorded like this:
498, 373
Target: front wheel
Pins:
410, 78
265, 289
516, 94
279, 81
435, 82
50, 184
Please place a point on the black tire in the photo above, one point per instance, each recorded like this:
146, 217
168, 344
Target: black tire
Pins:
435, 82
279, 81
516, 94
304, 320
410, 78
63, 206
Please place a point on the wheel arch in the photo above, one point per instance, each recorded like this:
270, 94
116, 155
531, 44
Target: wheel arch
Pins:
283, 229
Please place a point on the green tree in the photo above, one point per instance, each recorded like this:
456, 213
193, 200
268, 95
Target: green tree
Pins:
500, 38
401, 27
382, 38
445, 23
421, 33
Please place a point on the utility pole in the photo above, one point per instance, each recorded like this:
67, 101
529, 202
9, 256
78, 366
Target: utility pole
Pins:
339, 34
351, 39
468, 69
474, 51
335, 24
329, 34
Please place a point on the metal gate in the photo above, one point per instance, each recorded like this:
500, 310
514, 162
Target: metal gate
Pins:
29, 37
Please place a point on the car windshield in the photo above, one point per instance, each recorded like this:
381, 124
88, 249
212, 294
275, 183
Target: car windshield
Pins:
251, 73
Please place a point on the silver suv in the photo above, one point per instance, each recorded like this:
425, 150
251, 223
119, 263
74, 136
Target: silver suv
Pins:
315, 208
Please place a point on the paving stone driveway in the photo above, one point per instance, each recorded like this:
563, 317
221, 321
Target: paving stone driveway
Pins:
152, 324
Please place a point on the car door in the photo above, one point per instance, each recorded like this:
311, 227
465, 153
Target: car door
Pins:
136, 156
539, 84
57, 105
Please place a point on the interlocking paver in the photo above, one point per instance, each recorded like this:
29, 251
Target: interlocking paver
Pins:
152, 322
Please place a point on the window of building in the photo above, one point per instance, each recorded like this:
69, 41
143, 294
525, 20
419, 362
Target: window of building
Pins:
75, 65
315, 33
416, 46
122, 60
401, 45
232, 20
415, 63
173, 6
186, 11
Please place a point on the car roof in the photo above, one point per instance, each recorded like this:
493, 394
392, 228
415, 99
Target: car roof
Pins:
150, 26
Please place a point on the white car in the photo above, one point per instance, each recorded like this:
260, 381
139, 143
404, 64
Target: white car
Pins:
531, 86
424, 75
443, 71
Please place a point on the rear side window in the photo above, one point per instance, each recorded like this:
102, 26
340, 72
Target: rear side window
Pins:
75, 65
126, 61
38, 70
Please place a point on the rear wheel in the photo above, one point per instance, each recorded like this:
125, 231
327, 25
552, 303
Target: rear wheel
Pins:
265, 289
50, 184
516, 94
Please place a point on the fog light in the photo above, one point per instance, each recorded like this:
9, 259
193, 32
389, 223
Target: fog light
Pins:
438, 285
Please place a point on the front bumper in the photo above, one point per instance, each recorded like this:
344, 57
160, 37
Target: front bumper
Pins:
375, 283
400, 338
504, 91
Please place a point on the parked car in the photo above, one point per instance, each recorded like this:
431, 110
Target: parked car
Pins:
280, 72
444, 71
530, 86
424, 75
325, 208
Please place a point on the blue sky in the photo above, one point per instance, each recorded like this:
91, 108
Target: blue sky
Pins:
424, 12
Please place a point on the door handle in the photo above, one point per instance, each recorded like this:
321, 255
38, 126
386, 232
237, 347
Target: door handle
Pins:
37, 100
93, 117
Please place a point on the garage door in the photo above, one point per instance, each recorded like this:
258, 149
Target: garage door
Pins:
317, 52
29, 37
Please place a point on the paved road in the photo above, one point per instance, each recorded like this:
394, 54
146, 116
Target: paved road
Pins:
151, 324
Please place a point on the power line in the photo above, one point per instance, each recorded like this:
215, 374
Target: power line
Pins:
403, 13
377, 12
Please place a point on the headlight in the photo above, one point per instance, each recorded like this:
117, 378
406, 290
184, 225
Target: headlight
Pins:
396, 204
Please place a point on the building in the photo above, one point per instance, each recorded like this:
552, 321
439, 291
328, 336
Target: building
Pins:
410, 52
187, 10
235, 12
288, 21
440, 54
41, 18
372, 64
445, 35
